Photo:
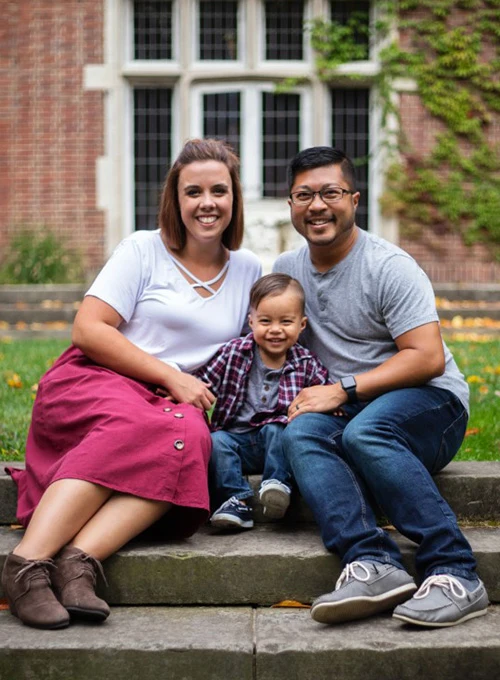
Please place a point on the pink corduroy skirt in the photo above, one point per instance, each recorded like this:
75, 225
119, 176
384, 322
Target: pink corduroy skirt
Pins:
93, 424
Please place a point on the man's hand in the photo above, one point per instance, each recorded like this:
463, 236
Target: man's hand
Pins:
318, 399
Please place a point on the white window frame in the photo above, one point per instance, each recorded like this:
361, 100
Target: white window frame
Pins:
216, 64
129, 155
149, 67
297, 65
251, 126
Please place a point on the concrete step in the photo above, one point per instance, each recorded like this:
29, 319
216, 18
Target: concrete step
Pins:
472, 488
37, 331
485, 311
488, 292
269, 564
31, 313
37, 294
194, 643
39, 311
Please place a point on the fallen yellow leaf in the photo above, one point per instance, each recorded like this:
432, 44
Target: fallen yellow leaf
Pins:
14, 380
291, 603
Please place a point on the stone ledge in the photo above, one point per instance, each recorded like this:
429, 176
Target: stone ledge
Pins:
269, 564
472, 489
245, 644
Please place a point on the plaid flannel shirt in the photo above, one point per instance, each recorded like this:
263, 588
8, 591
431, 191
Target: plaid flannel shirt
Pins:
228, 370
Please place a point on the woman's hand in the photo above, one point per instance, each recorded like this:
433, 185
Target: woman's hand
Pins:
187, 389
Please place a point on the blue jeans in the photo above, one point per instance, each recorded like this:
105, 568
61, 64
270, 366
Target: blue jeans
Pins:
245, 453
385, 453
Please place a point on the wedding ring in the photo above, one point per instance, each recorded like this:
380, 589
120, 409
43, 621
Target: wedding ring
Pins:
297, 407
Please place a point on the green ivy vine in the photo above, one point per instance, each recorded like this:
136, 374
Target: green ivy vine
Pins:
451, 50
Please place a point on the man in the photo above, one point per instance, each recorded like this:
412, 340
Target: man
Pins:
373, 323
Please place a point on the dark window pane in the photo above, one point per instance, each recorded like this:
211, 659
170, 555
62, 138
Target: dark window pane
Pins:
280, 139
357, 15
284, 29
152, 29
350, 132
152, 151
221, 117
218, 29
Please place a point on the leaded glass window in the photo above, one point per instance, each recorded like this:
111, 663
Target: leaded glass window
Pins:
218, 29
350, 133
222, 117
152, 29
284, 30
280, 139
152, 151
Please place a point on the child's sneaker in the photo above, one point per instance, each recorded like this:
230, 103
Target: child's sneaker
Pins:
233, 514
275, 497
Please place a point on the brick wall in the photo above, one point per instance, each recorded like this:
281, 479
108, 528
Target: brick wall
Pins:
51, 129
444, 257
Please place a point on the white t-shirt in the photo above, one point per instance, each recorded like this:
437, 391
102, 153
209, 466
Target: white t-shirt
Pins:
163, 314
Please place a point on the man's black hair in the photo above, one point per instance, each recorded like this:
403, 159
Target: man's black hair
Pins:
317, 157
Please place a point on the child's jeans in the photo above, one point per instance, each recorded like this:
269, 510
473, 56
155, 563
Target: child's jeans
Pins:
235, 454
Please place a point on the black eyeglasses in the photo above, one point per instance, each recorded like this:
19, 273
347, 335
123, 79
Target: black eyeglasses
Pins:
327, 195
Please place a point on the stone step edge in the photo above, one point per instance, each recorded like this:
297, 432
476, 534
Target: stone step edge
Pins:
259, 567
249, 644
71, 292
471, 487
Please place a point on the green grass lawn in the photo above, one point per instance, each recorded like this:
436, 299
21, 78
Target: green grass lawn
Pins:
22, 362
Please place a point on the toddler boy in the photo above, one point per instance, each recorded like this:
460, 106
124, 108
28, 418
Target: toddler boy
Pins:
255, 378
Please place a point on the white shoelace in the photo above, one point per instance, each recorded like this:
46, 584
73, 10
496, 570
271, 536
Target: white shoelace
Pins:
348, 572
441, 581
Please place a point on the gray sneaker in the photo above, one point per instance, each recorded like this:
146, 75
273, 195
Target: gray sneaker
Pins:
443, 601
364, 588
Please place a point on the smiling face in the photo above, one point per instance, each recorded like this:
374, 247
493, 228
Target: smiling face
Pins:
205, 200
319, 223
276, 324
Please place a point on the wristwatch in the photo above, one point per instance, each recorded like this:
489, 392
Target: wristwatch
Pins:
349, 386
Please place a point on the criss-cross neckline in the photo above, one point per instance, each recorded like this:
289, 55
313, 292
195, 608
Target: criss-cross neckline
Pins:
198, 283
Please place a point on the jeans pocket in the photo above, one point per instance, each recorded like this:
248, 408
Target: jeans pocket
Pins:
451, 441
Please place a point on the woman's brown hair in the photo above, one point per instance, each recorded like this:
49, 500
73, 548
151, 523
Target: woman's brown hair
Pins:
169, 215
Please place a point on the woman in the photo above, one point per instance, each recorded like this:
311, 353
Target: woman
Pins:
107, 456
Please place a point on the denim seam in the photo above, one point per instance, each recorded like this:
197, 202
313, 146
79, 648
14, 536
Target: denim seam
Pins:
362, 499
453, 527
450, 426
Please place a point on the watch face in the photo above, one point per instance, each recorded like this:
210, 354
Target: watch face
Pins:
348, 382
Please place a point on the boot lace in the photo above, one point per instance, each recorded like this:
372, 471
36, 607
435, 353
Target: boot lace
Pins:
36, 569
92, 564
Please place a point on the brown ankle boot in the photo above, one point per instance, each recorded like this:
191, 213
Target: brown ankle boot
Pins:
27, 587
74, 583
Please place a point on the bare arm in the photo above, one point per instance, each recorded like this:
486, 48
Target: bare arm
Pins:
96, 334
420, 357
